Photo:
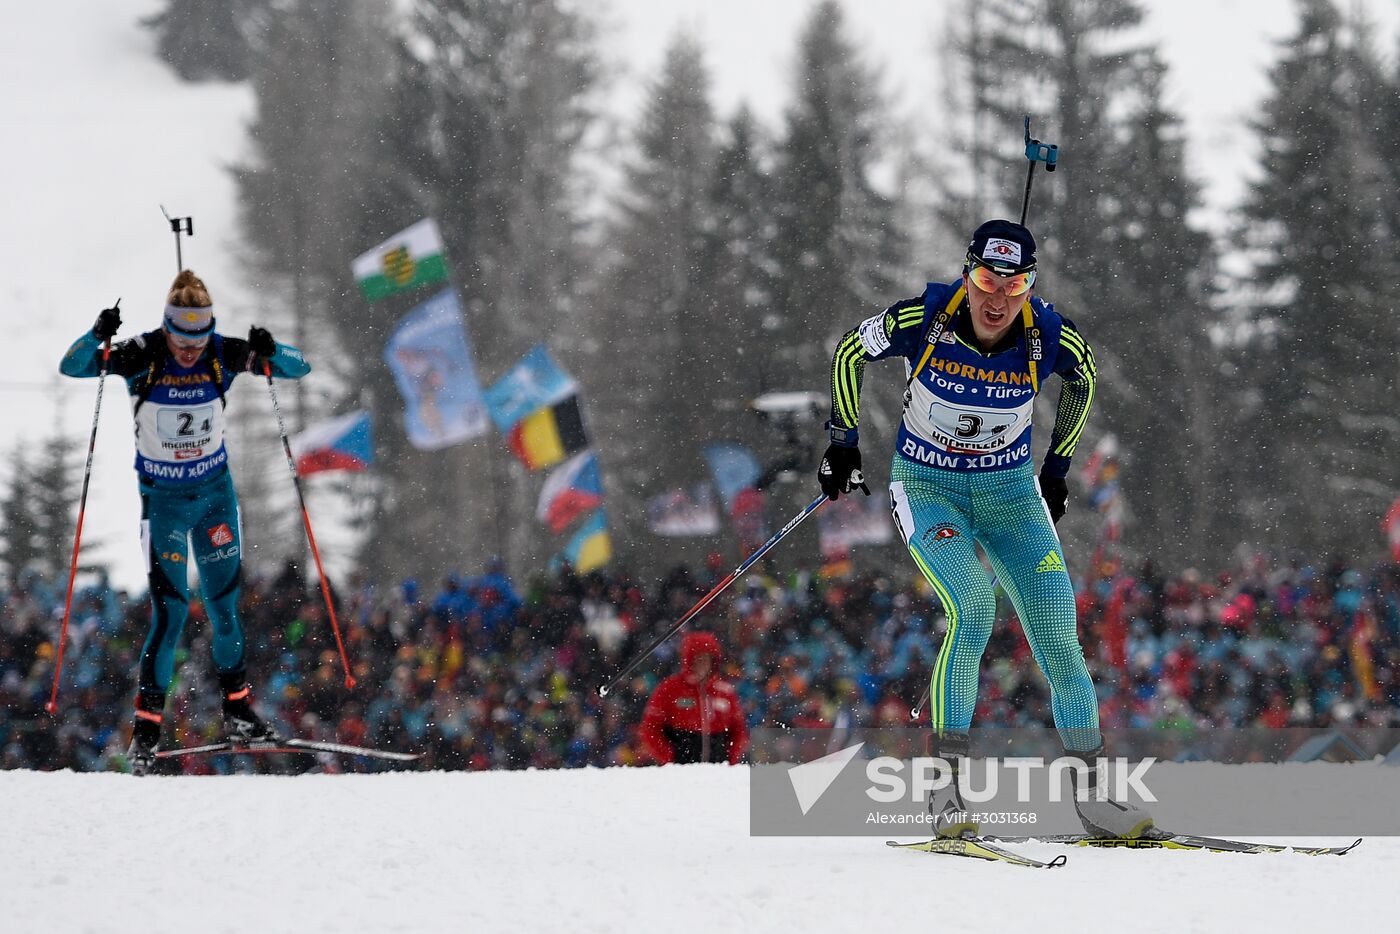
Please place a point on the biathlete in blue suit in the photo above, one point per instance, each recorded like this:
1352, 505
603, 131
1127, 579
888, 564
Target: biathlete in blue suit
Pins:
178, 376
977, 352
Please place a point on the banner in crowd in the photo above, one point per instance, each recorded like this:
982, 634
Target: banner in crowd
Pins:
1100, 478
590, 548
853, 520
410, 258
430, 356
533, 383
572, 489
683, 513
749, 519
734, 469
1392, 530
340, 443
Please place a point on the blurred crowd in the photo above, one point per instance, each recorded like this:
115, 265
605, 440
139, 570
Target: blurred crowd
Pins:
479, 672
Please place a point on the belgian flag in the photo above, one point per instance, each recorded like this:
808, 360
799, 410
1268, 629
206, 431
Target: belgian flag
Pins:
548, 435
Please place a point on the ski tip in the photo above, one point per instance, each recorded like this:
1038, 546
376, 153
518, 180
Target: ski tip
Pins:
1057, 861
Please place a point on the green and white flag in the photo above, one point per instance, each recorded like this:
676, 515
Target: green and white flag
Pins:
410, 258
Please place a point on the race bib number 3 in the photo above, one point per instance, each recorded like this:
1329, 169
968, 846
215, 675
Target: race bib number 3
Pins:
970, 429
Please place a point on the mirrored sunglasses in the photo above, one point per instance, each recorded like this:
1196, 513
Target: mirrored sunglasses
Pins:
990, 281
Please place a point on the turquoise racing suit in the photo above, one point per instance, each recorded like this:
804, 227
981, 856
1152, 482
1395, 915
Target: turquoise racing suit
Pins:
962, 476
188, 506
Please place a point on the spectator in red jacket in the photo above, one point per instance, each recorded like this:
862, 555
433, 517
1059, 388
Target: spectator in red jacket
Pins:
695, 716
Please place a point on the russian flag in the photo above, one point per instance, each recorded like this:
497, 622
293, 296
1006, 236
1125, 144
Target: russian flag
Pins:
340, 443
573, 489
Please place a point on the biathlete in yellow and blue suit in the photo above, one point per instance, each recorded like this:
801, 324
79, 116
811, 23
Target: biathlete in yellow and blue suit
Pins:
976, 353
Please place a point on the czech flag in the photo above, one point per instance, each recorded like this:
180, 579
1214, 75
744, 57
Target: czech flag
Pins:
548, 435
572, 489
341, 443
590, 548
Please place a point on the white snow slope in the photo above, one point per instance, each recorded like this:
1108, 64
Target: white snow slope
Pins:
659, 849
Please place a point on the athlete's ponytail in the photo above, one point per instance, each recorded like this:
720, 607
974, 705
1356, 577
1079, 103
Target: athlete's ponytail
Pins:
188, 291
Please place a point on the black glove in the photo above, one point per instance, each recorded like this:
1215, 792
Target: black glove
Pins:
1056, 493
262, 343
107, 323
840, 471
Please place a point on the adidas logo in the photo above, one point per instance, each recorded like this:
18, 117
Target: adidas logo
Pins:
1051, 562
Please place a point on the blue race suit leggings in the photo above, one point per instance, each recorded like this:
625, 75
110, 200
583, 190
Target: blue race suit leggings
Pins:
204, 515
942, 514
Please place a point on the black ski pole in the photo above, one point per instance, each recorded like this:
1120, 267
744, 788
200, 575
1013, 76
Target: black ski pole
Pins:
1036, 151
179, 225
719, 588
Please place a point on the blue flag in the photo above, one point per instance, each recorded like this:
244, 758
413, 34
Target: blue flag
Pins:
733, 467
533, 383
430, 356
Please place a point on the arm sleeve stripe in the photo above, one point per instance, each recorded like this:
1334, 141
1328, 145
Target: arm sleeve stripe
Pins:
848, 363
847, 367
1076, 399
1075, 343
1081, 350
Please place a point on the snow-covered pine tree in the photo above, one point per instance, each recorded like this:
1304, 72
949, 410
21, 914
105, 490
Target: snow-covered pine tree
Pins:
656, 407
838, 249
1315, 356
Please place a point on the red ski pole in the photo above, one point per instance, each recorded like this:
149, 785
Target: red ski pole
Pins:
306, 521
52, 705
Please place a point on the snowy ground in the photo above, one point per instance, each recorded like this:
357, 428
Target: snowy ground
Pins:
663, 849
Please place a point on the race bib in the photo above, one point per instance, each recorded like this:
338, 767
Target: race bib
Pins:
962, 428
179, 433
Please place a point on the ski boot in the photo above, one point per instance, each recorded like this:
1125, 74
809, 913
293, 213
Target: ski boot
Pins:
950, 816
145, 735
1104, 818
242, 725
